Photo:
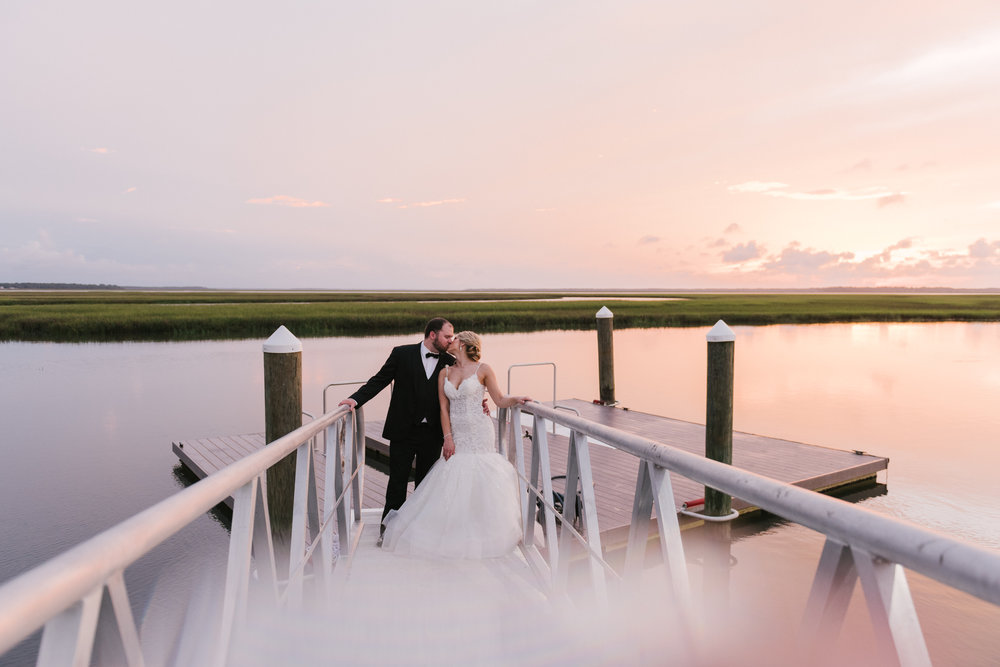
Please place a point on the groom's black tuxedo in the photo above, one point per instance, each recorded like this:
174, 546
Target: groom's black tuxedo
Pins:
414, 395
413, 422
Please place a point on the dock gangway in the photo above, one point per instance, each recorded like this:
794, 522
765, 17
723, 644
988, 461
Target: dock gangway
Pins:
568, 566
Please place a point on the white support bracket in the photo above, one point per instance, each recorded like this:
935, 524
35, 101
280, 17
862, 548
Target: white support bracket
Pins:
887, 595
68, 638
891, 607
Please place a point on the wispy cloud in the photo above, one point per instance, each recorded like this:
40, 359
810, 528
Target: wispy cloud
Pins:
388, 200
732, 229
101, 151
758, 186
983, 249
128, 190
795, 259
285, 200
436, 202
895, 198
646, 240
743, 252
900, 263
775, 189
975, 57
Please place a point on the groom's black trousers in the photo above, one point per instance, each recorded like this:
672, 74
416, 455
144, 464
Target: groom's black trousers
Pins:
422, 444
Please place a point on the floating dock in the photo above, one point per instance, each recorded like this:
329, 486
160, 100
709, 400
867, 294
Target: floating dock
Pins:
813, 467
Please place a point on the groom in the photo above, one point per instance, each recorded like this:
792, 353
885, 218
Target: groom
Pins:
413, 422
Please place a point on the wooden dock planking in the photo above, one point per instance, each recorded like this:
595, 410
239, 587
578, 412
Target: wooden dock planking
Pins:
205, 456
809, 466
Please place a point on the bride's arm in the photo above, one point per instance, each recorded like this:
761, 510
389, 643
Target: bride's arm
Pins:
449, 443
501, 399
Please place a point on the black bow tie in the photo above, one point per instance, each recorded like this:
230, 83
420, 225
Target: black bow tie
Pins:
432, 354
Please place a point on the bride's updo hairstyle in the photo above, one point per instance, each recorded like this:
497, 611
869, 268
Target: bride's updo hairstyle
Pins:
473, 344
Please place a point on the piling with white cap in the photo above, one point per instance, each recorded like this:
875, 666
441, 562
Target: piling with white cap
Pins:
719, 409
719, 447
282, 415
606, 355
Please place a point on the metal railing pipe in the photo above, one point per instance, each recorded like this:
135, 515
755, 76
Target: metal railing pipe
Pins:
966, 567
31, 599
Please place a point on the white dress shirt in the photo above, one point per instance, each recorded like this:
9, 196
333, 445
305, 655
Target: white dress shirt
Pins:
430, 363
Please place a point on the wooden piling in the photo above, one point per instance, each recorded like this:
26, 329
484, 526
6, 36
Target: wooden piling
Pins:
606, 356
282, 415
719, 447
719, 410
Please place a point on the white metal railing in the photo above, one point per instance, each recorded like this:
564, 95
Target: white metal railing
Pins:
64, 594
860, 544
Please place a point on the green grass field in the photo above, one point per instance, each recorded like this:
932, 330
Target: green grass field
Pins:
76, 316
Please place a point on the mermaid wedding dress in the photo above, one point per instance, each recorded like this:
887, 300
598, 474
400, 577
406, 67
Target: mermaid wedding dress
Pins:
467, 506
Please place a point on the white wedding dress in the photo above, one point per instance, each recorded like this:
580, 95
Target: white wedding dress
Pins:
467, 506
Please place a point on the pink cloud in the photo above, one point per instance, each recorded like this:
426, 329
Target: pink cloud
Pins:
888, 200
982, 249
743, 252
437, 202
285, 200
776, 189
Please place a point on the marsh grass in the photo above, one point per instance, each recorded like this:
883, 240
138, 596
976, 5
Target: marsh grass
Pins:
204, 315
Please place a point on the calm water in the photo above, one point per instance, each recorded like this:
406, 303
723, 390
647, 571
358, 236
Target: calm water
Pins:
87, 432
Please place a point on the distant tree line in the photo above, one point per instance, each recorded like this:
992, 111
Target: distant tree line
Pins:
66, 286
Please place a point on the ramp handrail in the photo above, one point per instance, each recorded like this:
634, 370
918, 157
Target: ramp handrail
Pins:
64, 593
861, 545
966, 567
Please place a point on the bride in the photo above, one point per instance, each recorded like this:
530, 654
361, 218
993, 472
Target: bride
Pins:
467, 506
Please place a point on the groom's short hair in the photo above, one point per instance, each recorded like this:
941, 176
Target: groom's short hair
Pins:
434, 325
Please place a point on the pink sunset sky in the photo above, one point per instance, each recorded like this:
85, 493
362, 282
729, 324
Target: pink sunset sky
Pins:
515, 144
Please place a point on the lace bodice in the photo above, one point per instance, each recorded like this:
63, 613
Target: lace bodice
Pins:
472, 431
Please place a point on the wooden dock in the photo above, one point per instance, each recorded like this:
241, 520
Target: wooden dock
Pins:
809, 466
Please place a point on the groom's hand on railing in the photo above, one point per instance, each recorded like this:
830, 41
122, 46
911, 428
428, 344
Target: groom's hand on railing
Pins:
349, 402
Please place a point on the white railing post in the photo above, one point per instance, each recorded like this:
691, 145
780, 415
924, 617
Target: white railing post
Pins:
238, 568
638, 529
127, 631
829, 598
581, 463
341, 464
527, 505
262, 547
359, 464
300, 511
540, 464
891, 607
670, 539
68, 638
329, 510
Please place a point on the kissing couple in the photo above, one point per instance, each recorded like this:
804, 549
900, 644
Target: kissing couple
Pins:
465, 503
